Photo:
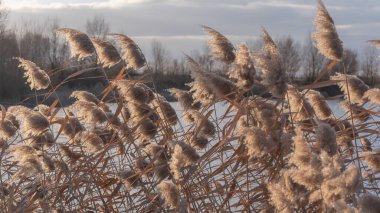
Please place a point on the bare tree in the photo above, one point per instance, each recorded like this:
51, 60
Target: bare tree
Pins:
160, 57
370, 64
349, 63
34, 43
313, 62
290, 52
204, 58
97, 27
58, 48
3, 18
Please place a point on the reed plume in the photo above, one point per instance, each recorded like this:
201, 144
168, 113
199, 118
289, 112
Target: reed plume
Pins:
7, 129
319, 104
165, 110
90, 112
134, 92
85, 96
132, 54
243, 71
369, 203
43, 109
355, 87
326, 38
299, 105
107, 53
220, 45
210, 83
327, 137
373, 160
185, 99
80, 44
170, 193
70, 125
37, 78
91, 142
269, 62
373, 95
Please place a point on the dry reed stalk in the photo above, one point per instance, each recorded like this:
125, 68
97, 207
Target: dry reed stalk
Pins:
252, 154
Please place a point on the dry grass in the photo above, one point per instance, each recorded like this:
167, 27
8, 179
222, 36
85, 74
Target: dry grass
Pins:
287, 153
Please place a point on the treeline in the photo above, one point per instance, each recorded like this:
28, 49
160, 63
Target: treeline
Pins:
40, 44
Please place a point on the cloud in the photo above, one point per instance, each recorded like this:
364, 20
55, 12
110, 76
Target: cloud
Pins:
177, 22
38, 4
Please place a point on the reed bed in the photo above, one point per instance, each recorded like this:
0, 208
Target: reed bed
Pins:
285, 153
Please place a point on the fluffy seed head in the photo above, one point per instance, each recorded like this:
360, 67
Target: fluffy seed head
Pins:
43, 109
214, 83
170, 193
7, 129
319, 104
70, 125
185, 99
85, 96
299, 105
327, 138
134, 92
89, 140
67, 152
373, 95
220, 45
269, 61
80, 44
359, 113
147, 129
366, 145
373, 160
243, 71
302, 153
129, 178
326, 38
369, 203
356, 88
166, 111
33, 123
256, 142
36, 77
199, 142
89, 111
131, 52
106, 52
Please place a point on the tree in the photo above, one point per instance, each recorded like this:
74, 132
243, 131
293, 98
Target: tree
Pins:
58, 48
97, 27
3, 18
160, 57
34, 44
290, 56
313, 61
349, 63
370, 64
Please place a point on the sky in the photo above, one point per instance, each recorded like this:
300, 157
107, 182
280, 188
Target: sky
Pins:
176, 23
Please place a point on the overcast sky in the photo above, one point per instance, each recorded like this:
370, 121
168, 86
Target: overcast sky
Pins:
176, 23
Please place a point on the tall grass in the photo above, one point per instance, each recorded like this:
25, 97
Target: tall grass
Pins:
224, 151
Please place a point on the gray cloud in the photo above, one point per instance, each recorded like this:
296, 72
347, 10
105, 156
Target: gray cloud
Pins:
176, 22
